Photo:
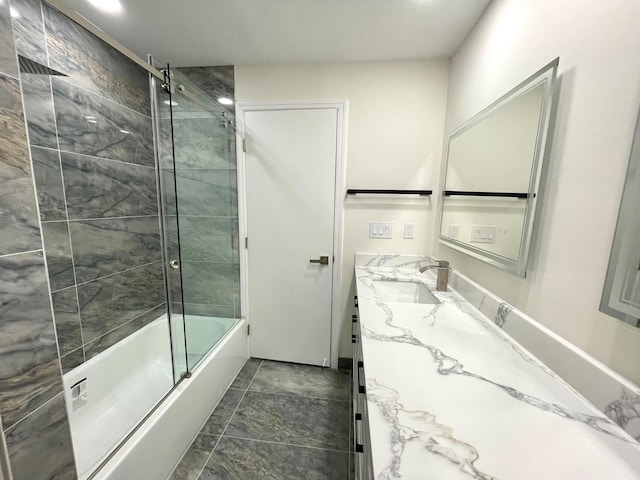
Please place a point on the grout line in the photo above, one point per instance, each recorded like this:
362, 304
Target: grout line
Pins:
289, 444
230, 417
22, 253
106, 159
114, 274
300, 396
61, 393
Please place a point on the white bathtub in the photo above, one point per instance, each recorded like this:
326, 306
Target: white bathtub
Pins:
125, 382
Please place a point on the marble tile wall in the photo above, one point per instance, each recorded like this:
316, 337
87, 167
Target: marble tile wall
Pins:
91, 142
34, 417
205, 178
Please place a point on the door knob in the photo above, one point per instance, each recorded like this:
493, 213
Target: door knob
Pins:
323, 260
174, 264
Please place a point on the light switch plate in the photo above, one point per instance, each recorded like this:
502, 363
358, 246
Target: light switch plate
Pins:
454, 231
483, 233
380, 230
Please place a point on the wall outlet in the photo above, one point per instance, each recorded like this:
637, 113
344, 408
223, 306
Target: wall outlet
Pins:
409, 230
380, 230
454, 231
483, 233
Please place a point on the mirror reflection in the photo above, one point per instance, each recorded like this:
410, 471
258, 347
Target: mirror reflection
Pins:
493, 166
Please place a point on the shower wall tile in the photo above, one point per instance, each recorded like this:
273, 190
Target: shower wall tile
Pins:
57, 248
108, 340
29, 370
208, 283
19, 219
107, 246
93, 65
202, 192
205, 310
38, 106
46, 170
110, 302
67, 320
28, 30
92, 125
8, 60
201, 143
40, 446
97, 188
72, 360
215, 81
205, 238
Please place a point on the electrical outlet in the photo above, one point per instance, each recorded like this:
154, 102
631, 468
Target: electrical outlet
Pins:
454, 231
409, 230
380, 230
483, 233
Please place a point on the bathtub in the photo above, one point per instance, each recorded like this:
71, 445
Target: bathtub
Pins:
125, 383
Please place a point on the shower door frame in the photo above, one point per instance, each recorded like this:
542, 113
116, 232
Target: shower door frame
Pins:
342, 107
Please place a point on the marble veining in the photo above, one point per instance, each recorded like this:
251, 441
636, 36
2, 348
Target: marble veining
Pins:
427, 418
625, 411
28, 30
19, 222
8, 62
48, 176
92, 125
67, 319
57, 248
38, 106
93, 65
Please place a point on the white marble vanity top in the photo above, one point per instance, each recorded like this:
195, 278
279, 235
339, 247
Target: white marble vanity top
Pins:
451, 396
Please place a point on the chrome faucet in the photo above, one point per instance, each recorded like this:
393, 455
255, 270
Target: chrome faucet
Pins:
443, 274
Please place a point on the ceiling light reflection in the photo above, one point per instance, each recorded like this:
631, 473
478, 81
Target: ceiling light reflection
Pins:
225, 101
107, 6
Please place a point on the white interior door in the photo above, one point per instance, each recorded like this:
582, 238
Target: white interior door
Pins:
290, 174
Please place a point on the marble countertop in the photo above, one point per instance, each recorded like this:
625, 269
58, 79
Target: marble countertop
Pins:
451, 396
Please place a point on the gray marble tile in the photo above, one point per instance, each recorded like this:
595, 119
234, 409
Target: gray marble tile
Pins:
207, 283
205, 238
38, 107
8, 60
72, 360
215, 81
291, 419
112, 301
57, 249
243, 459
29, 30
200, 192
67, 318
29, 370
218, 420
195, 459
92, 125
94, 65
106, 246
19, 217
244, 378
40, 446
102, 343
46, 170
304, 380
206, 310
201, 143
97, 188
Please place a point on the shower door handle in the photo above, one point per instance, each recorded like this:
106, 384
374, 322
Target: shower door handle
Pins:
323, 260
174, 265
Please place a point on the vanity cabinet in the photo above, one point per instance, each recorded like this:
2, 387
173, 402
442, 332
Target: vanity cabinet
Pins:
361, 439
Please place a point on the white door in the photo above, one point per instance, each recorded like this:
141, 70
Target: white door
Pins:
290, 173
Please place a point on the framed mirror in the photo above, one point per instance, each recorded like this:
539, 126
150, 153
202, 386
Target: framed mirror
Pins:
491, 174
621, 295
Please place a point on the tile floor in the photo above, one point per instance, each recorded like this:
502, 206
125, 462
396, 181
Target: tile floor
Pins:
277, 421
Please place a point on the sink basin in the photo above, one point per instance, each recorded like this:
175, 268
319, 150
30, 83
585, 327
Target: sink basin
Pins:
403, 292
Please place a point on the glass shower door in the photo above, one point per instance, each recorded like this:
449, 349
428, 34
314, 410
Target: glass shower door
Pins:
201, 217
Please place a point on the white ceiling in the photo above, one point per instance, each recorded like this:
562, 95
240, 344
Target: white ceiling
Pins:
237, 32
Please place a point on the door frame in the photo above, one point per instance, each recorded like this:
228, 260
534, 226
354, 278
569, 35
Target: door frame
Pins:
341, 107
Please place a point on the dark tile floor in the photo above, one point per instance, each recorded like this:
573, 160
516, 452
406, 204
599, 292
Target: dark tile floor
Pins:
277, 421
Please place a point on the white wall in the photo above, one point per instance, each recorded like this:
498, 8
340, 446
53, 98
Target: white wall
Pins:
598, 45
395, 129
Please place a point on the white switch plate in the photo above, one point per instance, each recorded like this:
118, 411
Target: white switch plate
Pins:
380, 230
454, 231
409, 230
483, 233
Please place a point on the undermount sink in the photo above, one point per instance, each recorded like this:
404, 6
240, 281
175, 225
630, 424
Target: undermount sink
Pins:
403, 292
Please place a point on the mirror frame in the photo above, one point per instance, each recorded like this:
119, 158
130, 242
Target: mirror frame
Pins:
624, 252
547, 76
